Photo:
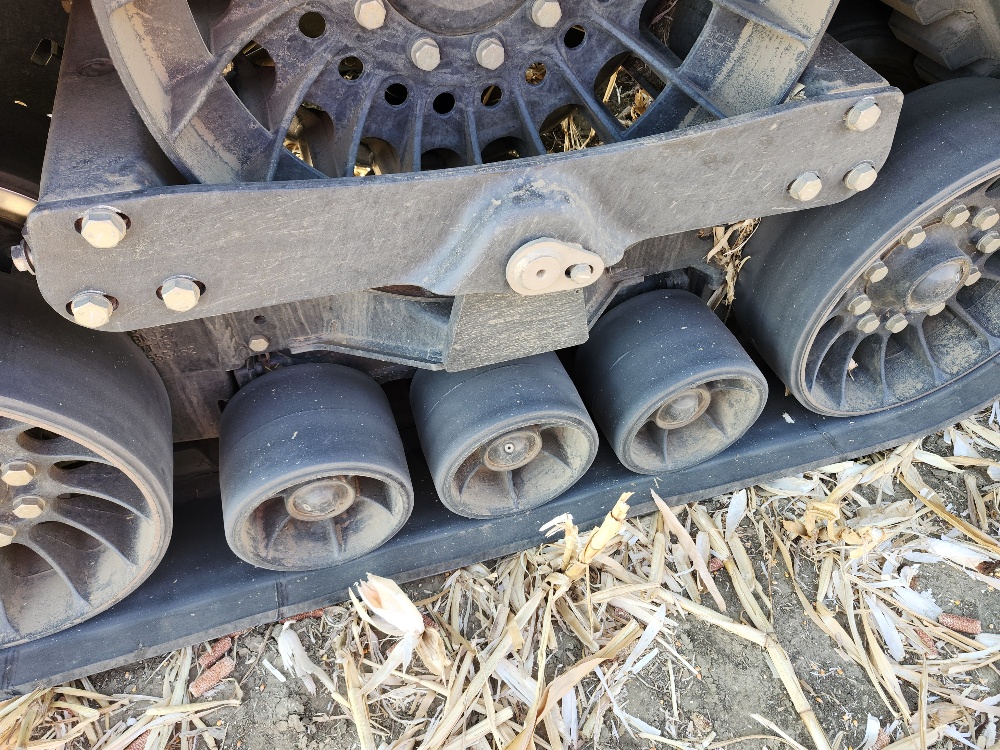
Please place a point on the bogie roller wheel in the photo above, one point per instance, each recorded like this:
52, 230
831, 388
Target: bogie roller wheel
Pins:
878, 301
667, 382
85, 468
499, 440
312, 468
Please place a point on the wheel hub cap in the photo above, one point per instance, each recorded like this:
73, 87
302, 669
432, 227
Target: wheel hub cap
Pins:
513, 450
321, 499
683, 408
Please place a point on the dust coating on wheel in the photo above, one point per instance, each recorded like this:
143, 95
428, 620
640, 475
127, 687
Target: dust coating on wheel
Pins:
500, 440
885, 302
311, 468
667, 382
286, 89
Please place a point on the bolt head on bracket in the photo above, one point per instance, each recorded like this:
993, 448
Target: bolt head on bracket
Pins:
546, 13
180, 293
547, 265
370, 13
102, 228
91, 309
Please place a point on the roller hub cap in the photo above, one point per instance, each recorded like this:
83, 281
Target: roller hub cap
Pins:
324, 498
938, 285
683, 409
513, 450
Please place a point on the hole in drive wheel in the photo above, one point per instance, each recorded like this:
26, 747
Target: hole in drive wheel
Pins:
503, 439
667, 382
312, 469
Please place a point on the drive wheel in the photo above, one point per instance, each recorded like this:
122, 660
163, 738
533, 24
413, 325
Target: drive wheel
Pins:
667, 382
312, 468
505, 439
889, 296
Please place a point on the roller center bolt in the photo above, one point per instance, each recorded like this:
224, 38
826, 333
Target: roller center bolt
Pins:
513, 450
322, 499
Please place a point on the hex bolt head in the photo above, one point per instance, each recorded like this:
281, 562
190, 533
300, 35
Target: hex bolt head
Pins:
102, 227
974, 275
581, 273
29, 506
91, 309
425, 54
868, 323
7, 534
180, 293
861, 177
17, 473
805, 187
896, 323
938, 308
546, 13
370, 13
989, 243
859, 304
490, 53
986, 218
913, 237
863, 115
956, 216
876, 272
258, 343
20, 256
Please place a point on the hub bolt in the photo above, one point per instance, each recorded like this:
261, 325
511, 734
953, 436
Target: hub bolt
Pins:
258, 343
938, 308
29, 506
863, 115
17, 473
91, 309
913, 237
102, 227
876, 272
806, 186
581, 273
896, 323
490, 53
986, 218
425, 54
370, 13
546, 13
868, 324
974, 276
861, 177
7, 534
989, 243
180, 293
859, 304
956, 216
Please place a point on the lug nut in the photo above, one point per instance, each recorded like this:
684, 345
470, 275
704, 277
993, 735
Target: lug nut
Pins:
370, 13
989, 243
876, 272
986, 218
180, 293
258, 343
17, 473
29, 506
546, 13
868, 324
913, 237
91, 309
581, 273
859, 304
425, 54
490, 54
938, 308
861, 177
102, 227
863, 115
896, 323
974, 275
806, 186
7, 534
956, 216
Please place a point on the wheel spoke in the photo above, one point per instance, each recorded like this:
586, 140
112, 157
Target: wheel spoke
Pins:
528, 125
99, 480
64, 449
242, 21
66, 561
959, 311
710, 421
763, 15
111, 526
606, 126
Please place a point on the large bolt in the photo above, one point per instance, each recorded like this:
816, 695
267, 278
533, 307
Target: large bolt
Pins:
91, 309
370, 13
859, 304
20, 256
29, 506
863, 115
861, 177
17, 473
425, 54
989, 243
876, 272
868, 324
490, 53
896, 323
258, 343
974, 275
581, 273
7, 534
956, 216
546, 13
938, 308
913, 237
986, 218
805, 187
102, 227
180, 293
